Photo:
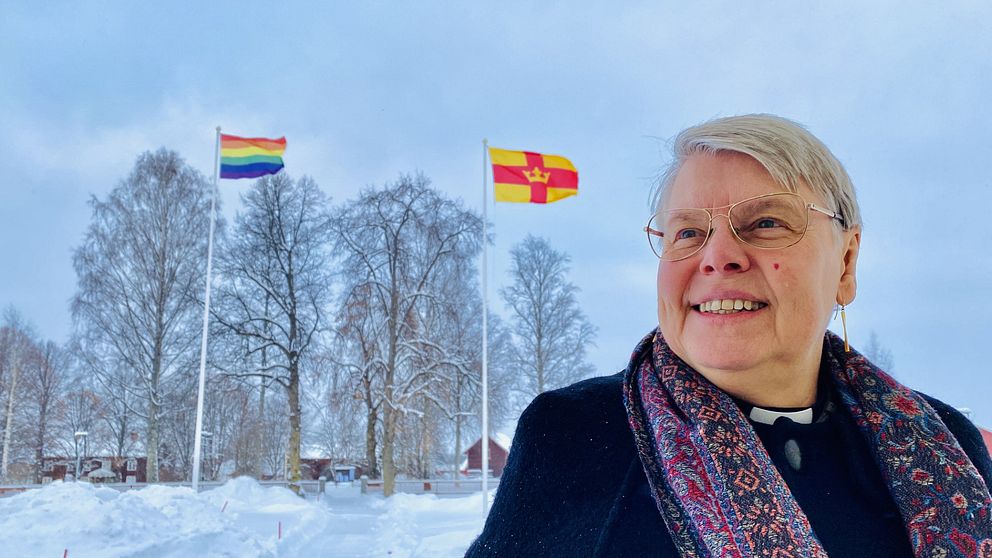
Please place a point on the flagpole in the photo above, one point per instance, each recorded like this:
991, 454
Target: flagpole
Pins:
206, 314
485, 340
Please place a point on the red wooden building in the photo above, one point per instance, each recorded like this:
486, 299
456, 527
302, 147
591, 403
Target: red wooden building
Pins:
499, 448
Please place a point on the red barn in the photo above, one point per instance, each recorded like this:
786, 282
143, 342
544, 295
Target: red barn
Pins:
499, 448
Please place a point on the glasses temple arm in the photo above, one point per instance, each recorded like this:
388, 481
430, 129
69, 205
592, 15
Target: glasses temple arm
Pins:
827, 212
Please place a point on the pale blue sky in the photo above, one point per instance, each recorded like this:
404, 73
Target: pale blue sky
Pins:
902, 96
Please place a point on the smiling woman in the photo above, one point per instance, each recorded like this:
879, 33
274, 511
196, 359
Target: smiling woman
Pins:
741, 426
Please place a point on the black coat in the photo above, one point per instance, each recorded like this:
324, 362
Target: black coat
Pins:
574, 486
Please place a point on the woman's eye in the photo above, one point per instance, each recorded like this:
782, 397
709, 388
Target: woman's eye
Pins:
685, 234
766, 223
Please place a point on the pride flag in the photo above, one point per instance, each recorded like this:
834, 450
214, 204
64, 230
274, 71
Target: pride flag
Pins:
250, 157
528, 177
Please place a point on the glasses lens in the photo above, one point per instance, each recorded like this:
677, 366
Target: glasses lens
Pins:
773, 221
684, 232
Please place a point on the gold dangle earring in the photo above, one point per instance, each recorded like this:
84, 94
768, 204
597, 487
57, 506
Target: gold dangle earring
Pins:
843, 321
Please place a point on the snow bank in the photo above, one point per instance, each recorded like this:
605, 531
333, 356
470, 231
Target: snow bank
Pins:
94, 521
170, 521
425, 525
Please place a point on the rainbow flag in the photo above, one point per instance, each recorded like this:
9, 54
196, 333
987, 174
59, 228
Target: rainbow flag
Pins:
528, 177
250, 157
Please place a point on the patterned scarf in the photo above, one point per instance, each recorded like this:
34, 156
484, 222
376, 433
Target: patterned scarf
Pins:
720, 494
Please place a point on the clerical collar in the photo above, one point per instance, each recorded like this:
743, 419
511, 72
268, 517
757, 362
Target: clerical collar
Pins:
817, 413
769, 416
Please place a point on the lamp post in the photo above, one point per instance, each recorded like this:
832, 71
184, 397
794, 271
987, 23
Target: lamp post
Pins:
80, 437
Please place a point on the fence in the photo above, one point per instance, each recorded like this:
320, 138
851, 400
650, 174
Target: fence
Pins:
429, 486
308, 488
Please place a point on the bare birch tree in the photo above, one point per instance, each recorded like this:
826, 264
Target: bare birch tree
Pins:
16, 347
395, 243
275, 290
551, 333
140, 269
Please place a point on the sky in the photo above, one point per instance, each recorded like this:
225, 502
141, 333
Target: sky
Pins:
367, 91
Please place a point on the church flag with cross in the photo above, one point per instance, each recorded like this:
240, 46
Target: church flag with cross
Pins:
529, 177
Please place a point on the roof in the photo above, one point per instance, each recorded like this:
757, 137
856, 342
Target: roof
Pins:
313, 451
501, 439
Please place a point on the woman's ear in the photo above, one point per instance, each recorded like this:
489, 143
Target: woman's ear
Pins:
847, 289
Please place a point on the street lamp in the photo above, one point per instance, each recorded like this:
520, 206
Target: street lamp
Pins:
80, 437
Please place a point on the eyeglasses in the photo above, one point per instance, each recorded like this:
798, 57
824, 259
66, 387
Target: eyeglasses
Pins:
768, 221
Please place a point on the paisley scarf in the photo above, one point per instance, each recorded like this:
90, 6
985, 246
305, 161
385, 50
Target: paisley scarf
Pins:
720, 494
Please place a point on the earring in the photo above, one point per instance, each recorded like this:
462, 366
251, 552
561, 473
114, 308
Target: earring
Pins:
843, 321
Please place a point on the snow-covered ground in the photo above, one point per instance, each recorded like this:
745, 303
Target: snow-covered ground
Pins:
170, 521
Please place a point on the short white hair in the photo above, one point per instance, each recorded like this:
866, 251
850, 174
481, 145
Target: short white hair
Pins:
787, 150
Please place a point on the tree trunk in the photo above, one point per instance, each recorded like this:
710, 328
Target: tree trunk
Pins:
259, 457
389, 413
121, 438
426, 446
370, 447
10, 417
260, 439
151, 447
39, 449
388, 445
458, 438
293, 453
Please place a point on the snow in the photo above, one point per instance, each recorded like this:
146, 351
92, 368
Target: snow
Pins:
94, 521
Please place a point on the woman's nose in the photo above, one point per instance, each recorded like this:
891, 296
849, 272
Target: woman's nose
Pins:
723, 252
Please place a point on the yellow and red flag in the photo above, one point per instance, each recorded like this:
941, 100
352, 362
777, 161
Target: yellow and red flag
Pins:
528, 177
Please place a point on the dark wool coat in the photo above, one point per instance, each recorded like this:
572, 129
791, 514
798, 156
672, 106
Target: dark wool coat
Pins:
574, 485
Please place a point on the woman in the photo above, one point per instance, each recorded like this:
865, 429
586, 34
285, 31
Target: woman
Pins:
741, 427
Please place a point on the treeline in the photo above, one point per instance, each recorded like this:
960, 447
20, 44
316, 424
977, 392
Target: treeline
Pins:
352, 330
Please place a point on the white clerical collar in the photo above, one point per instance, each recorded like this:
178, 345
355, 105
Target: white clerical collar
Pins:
766, 416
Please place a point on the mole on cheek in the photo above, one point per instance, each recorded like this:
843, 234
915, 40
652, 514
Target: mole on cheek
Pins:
775, 266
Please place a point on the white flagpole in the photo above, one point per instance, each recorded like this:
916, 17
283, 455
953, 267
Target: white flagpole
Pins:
206, 315
485, 340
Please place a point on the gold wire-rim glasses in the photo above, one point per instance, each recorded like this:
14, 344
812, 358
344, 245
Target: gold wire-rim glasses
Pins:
711, 212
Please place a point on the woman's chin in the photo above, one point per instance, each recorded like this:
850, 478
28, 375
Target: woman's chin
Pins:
727, 354
710, 361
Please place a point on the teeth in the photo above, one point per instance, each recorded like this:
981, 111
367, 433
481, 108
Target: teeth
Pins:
729, 306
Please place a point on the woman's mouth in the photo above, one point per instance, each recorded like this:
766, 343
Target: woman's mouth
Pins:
729, 306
